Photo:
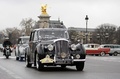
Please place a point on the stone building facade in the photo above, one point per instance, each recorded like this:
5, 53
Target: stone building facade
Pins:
82, 34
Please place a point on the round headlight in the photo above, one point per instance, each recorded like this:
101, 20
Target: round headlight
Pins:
50, 47
77, 56
73, 47
63, 55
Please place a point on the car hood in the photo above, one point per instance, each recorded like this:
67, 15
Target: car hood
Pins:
24, 45
52, 41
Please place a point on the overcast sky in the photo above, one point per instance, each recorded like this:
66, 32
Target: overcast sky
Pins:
71, 12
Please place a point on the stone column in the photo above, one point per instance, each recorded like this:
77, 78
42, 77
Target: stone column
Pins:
44, 21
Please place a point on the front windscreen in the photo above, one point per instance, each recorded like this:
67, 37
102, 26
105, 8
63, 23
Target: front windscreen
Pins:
53, 34
25, 40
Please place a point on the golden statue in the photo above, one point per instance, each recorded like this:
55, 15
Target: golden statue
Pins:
43, 9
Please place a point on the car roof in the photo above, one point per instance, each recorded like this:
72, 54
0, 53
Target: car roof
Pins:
62, 29
92, 44
24, 37
109, 44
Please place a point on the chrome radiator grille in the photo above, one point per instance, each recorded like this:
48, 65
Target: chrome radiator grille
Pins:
61, 47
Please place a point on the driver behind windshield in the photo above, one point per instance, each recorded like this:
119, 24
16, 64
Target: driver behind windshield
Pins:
53, 34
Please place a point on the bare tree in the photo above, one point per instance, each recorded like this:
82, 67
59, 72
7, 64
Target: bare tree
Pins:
12, 34
118, 35
105, 33
1, 37
27, 25
74, 36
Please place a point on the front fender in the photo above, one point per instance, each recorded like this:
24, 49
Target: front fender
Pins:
39, 48
28, 50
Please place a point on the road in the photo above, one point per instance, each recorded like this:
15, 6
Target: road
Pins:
96, 67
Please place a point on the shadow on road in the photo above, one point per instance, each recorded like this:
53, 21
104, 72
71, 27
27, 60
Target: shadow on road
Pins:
57, 69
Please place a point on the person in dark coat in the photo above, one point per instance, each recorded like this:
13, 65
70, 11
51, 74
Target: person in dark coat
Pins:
6, 43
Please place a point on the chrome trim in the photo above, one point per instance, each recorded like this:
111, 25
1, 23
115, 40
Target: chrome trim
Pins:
54, 58
78, 60
60, 39
22, 55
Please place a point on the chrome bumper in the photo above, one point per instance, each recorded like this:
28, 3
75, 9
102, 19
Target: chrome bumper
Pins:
79, 60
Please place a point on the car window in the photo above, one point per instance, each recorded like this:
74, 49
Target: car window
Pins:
32, 36
35, 36
19, 41
53, 34
1, 46
25, 40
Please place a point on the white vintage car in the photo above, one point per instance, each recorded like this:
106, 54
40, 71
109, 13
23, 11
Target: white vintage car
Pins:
20, 50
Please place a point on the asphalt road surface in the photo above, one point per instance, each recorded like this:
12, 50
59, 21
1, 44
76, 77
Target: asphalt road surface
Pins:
96, 67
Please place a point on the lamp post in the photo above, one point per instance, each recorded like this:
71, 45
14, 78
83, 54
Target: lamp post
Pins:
86, 18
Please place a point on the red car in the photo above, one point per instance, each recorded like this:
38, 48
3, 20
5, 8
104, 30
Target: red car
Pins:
95, 49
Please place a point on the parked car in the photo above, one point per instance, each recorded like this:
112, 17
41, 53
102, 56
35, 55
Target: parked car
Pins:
95, 49
20, 49
51, 46
114, 48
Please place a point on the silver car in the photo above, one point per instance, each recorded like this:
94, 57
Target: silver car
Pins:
20, 50
114, 48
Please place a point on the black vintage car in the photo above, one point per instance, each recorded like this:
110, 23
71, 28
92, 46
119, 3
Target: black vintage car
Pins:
51, 46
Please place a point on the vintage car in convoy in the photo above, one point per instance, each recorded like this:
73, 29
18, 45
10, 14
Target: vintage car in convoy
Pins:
114, 48
51, 46
21, 46
96, 49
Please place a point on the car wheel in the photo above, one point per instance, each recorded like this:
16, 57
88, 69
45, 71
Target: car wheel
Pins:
17, 58
115, 53
80, 66
21, 58
7, 57
28, 64
96, 54
110, 54
102, 54
39, 65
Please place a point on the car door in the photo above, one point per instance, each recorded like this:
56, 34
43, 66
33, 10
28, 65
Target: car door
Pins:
18, 46
33, 43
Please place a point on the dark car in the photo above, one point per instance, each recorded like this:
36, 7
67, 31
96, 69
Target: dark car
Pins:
51, 46
21, 47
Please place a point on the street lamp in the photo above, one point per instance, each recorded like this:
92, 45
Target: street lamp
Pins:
86, 18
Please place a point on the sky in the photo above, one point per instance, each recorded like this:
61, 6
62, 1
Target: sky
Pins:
71, 12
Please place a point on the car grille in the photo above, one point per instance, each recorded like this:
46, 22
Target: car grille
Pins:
61, 48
